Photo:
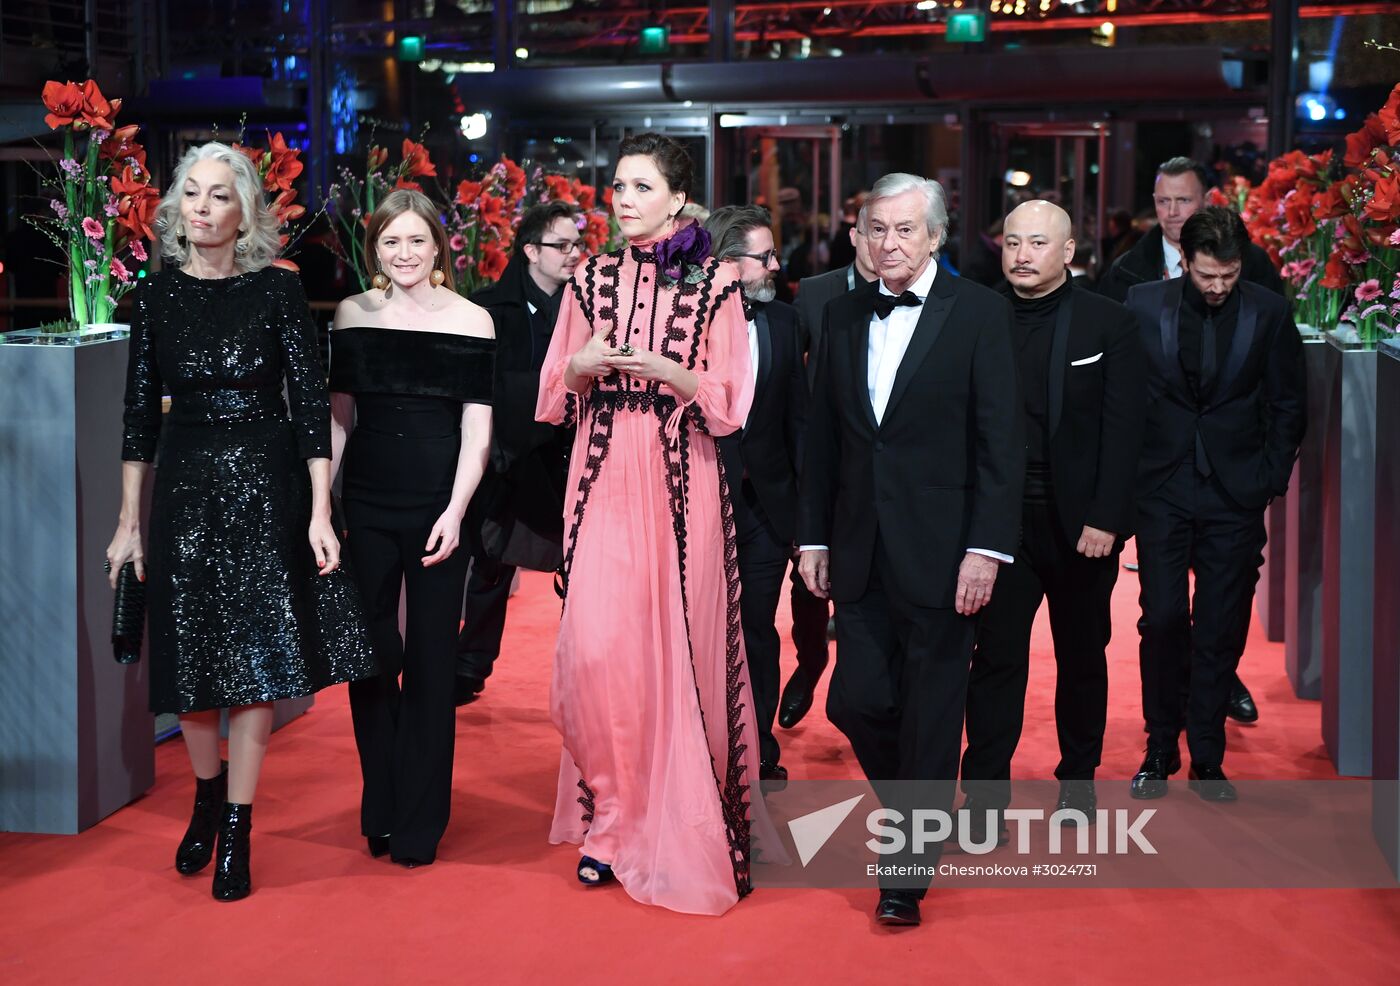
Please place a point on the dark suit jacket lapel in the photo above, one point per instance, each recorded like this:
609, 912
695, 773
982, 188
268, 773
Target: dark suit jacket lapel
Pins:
1059, 355
860, 347
931, 319
1169, 325
765, 350
1245, 325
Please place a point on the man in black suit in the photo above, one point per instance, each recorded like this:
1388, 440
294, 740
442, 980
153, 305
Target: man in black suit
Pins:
519, 509
1083, 372
1178, 192
1225, 401
910, 498
810, 615
760, 461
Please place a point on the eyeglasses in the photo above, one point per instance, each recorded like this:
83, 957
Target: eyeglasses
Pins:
565, 247
764, 258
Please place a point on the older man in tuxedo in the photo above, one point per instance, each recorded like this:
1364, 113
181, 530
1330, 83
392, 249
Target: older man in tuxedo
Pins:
910, 499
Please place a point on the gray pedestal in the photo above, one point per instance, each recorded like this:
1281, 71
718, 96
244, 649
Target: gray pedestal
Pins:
76, 741
1385, 710
1269, 598
1348, 553
1302, 584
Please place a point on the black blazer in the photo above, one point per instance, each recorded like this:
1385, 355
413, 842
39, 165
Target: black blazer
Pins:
767, 447
1097, 390
812, 295
1253, 420
942, 472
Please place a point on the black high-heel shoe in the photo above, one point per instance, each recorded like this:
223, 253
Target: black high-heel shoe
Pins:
197, 847
232, 877
378, 845
602, 872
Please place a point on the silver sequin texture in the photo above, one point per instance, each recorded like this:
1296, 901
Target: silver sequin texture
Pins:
237, 611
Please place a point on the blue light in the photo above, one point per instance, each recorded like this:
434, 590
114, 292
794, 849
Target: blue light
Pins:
1341, 114
474, 158
1316, 111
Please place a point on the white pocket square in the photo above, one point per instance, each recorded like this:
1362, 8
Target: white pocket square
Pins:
1087, 360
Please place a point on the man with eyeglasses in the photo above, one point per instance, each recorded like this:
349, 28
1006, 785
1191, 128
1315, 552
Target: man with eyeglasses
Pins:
518, 511
760, 461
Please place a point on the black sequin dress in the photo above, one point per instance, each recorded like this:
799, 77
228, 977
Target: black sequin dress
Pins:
237, 612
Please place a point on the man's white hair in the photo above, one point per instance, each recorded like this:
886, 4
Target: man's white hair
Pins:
899, 182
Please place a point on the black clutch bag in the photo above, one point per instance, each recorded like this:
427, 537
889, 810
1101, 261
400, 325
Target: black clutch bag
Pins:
128, 616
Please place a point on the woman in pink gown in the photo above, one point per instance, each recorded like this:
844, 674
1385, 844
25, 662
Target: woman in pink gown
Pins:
650, 359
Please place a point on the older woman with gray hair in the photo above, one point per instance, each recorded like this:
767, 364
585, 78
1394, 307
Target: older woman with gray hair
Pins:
245, 600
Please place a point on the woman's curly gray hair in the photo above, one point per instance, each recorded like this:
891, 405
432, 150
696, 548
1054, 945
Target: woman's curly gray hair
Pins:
259, 241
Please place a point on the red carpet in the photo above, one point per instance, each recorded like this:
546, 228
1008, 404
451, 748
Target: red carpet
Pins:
502, 905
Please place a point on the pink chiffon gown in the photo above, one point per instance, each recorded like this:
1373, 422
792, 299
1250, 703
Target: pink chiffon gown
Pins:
651, 689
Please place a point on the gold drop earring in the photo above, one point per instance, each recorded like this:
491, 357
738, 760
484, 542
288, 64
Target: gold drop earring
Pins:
380, 279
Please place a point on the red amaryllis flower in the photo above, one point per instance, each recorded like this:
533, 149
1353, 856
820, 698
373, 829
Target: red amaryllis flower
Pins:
585, 194
121, 147
559, 189
493, 263
377, 156
467, 192
286, 208
64, 101
1389, 116
595, 232
1361, 143
97, 110
607, 197
1384, 205
284, 165
286, 264
1298, 213
1331, 204
1336, 275
416, 163
515, 178
136, 203
492, 210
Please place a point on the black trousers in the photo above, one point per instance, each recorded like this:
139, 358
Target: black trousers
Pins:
810, 615
1191, 647
1079, 592
406, 730
898, 693
484, 616
763, 560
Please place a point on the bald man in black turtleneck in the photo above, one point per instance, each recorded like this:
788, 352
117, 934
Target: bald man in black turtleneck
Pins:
1083, 374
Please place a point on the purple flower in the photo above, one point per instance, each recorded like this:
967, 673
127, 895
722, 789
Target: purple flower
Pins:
59, 209
688, 245
70, 167
110, 209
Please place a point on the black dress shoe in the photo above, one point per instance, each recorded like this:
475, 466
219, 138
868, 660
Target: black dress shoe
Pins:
769, 771
1241, 707
1078, 796
1151, 779
378, 845
897, 909
411, 862
976, 834
796, 700
232, 867
197, 847
1211, 784
467, 689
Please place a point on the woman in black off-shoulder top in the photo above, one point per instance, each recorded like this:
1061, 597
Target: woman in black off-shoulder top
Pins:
411, 365
245, 600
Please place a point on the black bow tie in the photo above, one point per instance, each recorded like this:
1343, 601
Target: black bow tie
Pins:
749, 309
886, 303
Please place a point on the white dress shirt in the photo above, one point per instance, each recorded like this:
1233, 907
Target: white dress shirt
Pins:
753, 350
889, 339
1171, 257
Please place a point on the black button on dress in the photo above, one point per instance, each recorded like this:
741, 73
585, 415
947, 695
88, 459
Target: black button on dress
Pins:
237, 611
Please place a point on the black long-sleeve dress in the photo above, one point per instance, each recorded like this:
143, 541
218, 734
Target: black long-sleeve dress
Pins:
238, 613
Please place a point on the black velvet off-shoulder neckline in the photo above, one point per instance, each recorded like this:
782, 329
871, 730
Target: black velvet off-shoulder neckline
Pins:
375, 360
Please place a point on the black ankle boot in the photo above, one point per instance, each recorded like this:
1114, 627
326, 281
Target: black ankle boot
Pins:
232, 880
197, 847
